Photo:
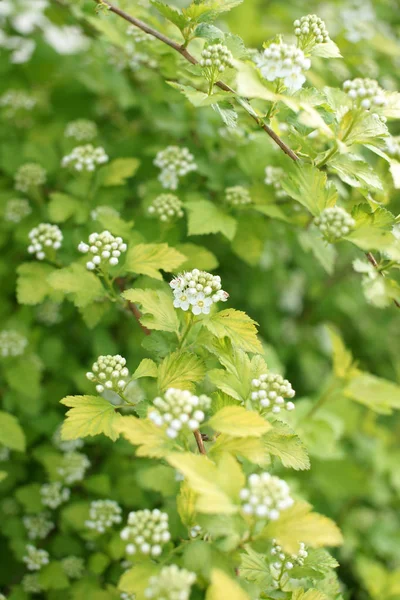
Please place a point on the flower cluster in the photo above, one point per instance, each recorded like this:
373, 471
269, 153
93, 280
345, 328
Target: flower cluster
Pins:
85, 158
138, 35
284, 563
105, 212
109, 372
365, 93
12, 343
274, 176
66, 445
270, 391
265, 496
215, 58
179, 409
171, 583
28, 176
31, 584
334, 223
104, 248
147, 530
197, 290
49, 313
310, 30
73, 566
103, 514
4, 453
38, 526
373, 283
73, 467
174, 162
166, 207
54, 494
195, 531
68, 39
17, 209
17, 100
237, 196
81, 130
35, 558
43, 238
284, 62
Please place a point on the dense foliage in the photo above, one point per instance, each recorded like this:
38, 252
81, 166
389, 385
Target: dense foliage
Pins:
201, 249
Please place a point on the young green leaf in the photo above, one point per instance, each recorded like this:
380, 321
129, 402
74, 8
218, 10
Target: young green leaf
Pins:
236, 421
11, 433
157, 308
89, 415
238, 327
149, 259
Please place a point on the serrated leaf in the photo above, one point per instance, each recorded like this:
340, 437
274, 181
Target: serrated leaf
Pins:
32, 284
136, 579
62, 207
223, 586
198, 98
11, 433
53, 577
180, 370
312, 241
238, 327
254, 567
171, 13
76, 280
146, 368
374, 392
286, 445
327, 50
236, 421
157, 308
309, 186
115, 224
89, 415
316, 565
301, 594
251, 448
342, 358
197, 257
118, 171
151, 439
298, 524
354, 171
204, 217
149, 259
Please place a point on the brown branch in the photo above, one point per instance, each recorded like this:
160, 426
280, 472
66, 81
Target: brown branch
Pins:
199, 441
190, 58
132, 307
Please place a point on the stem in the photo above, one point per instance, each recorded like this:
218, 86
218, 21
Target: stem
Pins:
330, 154
186, 331
190, 58
329, 391
199, 441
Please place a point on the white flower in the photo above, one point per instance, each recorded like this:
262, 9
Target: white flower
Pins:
29, 175
201, 304
197, 290
146, 533
274, 177
38, 526
104, 249
54, 494
365, 93
182, 300
269, 390
283, 62
171, 583
28, 15
334, 223
17, 209
35, 558
73, 467
85, 158
12, 343
174, 162
81, 130
215, 58
109, 372
284, 562
265, 497
21, 49
237, 196
179, 410
73, 566
166, 207
68, 39
103, 514
43, 239
310, 30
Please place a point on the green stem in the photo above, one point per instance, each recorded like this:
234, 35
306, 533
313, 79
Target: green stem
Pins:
186, 331
330, 390
330, 154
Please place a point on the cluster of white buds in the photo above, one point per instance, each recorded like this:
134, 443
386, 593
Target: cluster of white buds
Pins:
31, 584
215, 58
104, 248
73, 566
393, 147
28, 176
171, 583
237, 195
197, 290
196, 531
38, 526
265, 496
284, 563
73, 467
126, 596
85, 158
104, 212
334, 223
146, 532
109, 372
166, 207
17, 209
54, 494
274, 176
49, 313
17, 100
365, 93
284, 62
138, 35
81, 130
310, 30
12, 343
103, 514
174, 162
35, 558
44, 238
269, 390
4, 453
179, 410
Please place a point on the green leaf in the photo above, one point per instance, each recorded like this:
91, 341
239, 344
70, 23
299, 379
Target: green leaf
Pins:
149, 259
186, 505
147, 368
197, 257
374, 392
223, 586
89, 415
136, 579
53, 577
30, 498
205, 217
317, 565
309, 186
62, 207
354, 171
180, 370
76, 280
251, 448
366, 130
254, 567
312, 241
238, 327
3, 475
151, 439
171, 13
327, 50
157, 308
115, 224
286, 445
236, 421
32, 284
118, 171
301, 594
198, 98
11, 432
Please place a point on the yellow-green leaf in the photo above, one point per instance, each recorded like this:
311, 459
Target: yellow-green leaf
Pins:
285, 444
223, 586
11, 432
251, 448
89, 415
147, 368
32, 284
157, 308
149, 259
119, 170
238, 327
78, 281
180, 370
300, 594
239, 422
151, 439
378, 394
136, 579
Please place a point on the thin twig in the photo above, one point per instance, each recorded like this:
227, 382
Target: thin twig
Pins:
199, 441
132, 307
190, 58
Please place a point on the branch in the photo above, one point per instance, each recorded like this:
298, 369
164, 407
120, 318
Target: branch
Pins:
199, 441
374, 263
190, 58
